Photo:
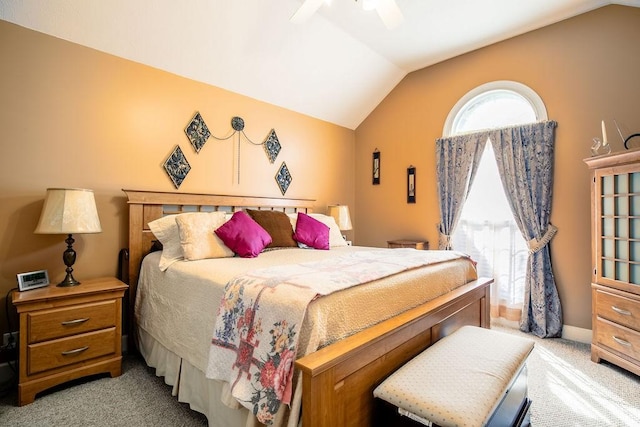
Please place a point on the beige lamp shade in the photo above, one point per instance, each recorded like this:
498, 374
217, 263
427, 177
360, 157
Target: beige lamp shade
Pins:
69, 211
341, 214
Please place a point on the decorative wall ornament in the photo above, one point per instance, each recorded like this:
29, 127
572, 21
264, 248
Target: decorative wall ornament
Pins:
376, 167
411, 184
177, 166
283, 178
197, 132
272, 146
237, 123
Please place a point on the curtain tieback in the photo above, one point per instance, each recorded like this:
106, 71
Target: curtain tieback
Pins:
444, 241
536, 244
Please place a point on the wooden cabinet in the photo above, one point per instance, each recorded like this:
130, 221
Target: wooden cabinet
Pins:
615, 277
404, 243
68, 333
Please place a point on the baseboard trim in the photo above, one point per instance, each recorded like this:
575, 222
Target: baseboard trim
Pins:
571, 333
576, 334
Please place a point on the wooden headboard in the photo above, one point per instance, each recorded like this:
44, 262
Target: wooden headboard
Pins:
146, 206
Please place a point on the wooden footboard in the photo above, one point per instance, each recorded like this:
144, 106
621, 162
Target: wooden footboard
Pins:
338, 380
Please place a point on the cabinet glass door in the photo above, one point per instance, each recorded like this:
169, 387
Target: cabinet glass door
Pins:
618, 251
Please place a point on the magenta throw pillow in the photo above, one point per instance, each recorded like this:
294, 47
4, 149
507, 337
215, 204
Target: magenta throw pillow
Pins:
311, 232
243, 235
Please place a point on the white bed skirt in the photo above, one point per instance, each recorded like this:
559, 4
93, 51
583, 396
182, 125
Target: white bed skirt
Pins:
191, 386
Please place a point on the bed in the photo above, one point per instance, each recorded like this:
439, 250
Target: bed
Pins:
334, 375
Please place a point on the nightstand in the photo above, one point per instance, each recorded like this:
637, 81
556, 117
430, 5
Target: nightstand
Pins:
68, 333
416, 244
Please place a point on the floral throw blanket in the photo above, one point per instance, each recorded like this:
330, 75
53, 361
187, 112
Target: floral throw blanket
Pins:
256, 334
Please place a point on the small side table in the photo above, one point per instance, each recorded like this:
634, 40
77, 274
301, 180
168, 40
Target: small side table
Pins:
408, 243
68, 333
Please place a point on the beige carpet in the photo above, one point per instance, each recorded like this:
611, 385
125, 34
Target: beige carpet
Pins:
566, 387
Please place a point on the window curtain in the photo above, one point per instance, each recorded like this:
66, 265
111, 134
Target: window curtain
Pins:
524, 155
457, 160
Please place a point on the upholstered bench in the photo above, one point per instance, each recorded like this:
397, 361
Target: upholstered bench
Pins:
473, 377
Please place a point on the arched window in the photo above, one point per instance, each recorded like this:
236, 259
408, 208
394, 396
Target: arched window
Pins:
487, 230
495, 104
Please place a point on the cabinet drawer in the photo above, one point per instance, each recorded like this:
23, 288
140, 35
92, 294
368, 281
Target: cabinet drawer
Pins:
66, 351
619, 338
62, 322
618, 309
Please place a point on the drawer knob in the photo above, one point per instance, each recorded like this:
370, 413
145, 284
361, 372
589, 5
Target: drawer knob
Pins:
621, 341
73, 322
79, 350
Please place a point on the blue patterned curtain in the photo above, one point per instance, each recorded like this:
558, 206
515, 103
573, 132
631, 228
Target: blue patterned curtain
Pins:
457, 160
524, 155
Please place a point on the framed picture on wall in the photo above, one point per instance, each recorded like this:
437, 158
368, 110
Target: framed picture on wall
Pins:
411, 184
376, 167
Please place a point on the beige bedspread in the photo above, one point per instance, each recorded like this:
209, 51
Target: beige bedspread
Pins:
177, 307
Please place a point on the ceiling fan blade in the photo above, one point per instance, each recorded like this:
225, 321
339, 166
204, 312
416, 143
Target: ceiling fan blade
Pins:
389, 12
304, 12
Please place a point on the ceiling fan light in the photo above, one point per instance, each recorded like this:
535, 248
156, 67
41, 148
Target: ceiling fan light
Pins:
369, 4
304, 12
389, 13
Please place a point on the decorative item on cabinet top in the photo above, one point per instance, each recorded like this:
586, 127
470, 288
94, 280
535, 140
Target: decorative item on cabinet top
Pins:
601, 147
628, 144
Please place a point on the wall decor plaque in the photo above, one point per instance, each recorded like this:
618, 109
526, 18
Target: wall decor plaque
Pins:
272, 146
177, 166
197, 132
283, 178
411, 184
376, 167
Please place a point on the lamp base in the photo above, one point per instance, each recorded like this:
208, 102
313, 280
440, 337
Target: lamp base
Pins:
68, 281
69, 258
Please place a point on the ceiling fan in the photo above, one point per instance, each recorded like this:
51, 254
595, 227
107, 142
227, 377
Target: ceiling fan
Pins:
388, 10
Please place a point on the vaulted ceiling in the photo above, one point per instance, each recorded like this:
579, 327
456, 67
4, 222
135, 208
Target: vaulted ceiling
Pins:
336, 66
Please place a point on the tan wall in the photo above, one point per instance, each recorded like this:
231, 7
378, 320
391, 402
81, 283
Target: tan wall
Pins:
585, 69
75, 117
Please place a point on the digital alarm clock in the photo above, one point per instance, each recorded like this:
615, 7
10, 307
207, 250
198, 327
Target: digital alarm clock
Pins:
32, 280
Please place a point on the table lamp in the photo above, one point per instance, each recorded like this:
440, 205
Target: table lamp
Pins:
341, 214
69, 211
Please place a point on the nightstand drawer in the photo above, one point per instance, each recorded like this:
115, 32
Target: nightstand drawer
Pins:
619, 338
63, 322
66, 351
618, 309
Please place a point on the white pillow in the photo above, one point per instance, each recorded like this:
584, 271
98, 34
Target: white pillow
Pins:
198, 238
335, 235
166, 231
